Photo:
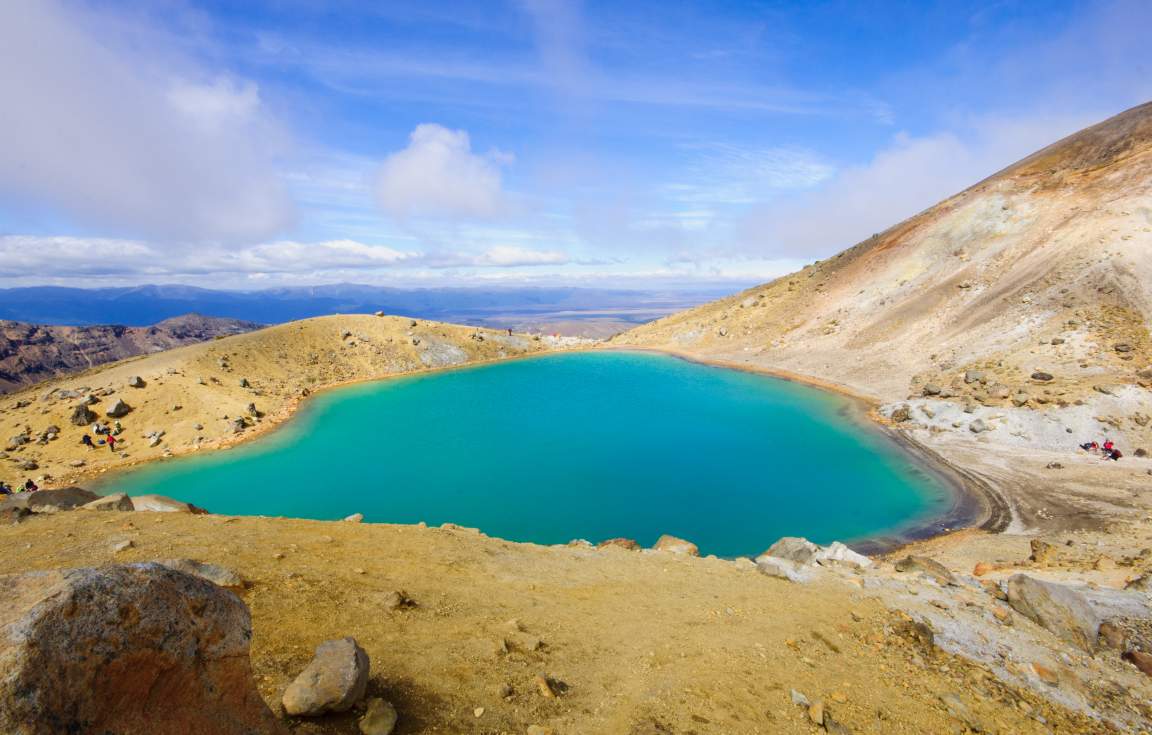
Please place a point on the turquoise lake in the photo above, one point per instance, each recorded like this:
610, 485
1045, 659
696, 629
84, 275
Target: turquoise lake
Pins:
588, 445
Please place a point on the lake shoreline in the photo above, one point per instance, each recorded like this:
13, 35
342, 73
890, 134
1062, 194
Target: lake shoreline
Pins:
970, 499
975, 503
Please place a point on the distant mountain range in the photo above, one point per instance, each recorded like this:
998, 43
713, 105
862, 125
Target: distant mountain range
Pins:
30, 353
611, 310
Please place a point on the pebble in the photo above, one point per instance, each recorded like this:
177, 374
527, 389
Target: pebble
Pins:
479, 711
379, 718
816, 712
504, 691
544, 686
799, 699
122, 545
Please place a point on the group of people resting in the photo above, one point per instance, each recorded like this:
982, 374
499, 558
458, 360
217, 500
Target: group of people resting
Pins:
1108, 450
29, 487
109, 432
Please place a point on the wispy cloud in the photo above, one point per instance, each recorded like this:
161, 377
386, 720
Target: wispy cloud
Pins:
129, 143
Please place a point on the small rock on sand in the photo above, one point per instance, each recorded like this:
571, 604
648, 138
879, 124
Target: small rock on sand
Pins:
354, 518
793, 548
1042, 376
676, 545
136, 382
379, 718
124, 545
119, 409
784, 569
217, 575
928, 567
622, 543
162, 504
334, 681
978, 426
116, 501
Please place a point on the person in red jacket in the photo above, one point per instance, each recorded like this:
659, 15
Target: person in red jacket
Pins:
112, 442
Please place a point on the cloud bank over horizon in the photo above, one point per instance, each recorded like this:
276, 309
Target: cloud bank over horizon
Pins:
533, 140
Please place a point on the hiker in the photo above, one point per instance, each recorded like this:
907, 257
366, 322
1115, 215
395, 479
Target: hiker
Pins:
117, 428
1113, 454
112, 442
87, 441
1090, 447
509, 331
1108, 445
4, 489
30, 487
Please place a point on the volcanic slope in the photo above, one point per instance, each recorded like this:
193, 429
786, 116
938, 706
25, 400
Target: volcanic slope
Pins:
1043, 267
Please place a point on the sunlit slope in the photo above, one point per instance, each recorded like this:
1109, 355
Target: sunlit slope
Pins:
1058, 246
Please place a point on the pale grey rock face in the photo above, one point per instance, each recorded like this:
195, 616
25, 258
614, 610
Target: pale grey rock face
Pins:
126, 648
1059, 609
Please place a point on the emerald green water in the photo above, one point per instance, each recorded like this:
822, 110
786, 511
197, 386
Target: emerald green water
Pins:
585, 445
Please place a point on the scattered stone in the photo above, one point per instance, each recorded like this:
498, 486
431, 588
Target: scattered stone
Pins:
244, 383
974, 376
544, 685
993, 588
397, 600
1043, 553
119, 409
217, 575
1140, 660
1112, 636
839, 553
1122, 347
931, 389
116, 501
334, 681
136, 382
1057, 340
960, 711
82, 415
793, 548
124, 545
623, 543
355, 518
816, 713
238, 424
1054, 466
253, 411
1059, 609
978, 426
1020, 399
162, 504
901, 414
783, 569
379, 718
1042, 376
928, 567
799, 699
676, 545
1141, 452
378, 313
999, 390
162, 653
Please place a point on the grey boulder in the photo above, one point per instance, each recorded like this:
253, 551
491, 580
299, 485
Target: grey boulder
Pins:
334, 681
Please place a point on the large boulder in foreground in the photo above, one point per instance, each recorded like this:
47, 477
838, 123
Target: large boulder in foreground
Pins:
334, 681
1061, 610
134, 648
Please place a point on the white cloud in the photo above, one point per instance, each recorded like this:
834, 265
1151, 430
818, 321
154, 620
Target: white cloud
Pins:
126, 140
438, 175
82, 258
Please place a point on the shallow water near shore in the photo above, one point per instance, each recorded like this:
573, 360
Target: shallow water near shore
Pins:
588, 445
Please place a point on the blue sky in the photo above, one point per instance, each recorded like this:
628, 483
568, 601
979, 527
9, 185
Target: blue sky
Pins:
530, 141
